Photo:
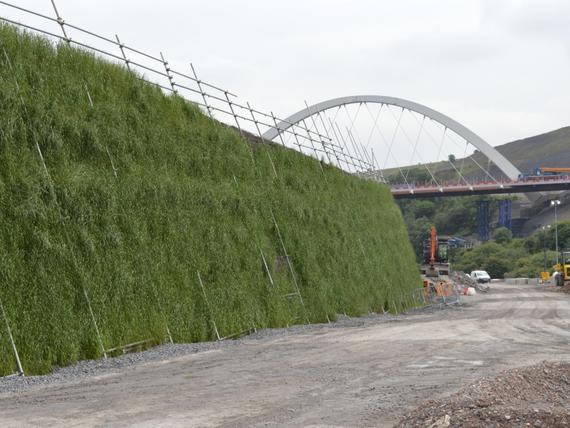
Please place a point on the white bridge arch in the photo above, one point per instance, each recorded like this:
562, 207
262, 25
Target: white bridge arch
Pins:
497, 158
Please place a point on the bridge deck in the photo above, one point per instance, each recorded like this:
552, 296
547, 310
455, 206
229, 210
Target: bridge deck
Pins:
447, 190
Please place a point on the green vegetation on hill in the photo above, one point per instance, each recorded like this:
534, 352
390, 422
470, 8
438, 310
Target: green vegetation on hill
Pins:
451, 216
502, 256
507, 257
118, 205
548, 149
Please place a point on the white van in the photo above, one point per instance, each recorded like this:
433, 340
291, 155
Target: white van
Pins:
480, 276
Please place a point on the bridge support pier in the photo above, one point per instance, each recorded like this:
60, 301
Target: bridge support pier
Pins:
483, 223
506, 214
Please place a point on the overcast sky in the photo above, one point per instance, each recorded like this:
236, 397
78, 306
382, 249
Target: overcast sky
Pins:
501, 67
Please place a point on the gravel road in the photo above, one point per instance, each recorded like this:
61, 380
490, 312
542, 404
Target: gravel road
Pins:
363, 372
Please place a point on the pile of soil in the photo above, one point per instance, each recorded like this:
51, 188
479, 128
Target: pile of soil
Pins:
535, 396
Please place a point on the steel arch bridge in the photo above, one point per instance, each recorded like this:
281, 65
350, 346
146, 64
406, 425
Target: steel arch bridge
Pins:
511, 182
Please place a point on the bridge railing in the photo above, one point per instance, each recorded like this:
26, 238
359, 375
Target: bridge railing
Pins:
481, 183
219, 103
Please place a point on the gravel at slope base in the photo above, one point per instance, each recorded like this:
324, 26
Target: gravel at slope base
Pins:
90, 368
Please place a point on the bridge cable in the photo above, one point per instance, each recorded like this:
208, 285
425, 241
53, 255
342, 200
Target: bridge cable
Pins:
357, 149
355, 154
432, 138
411, 162
365, 152
330, 143
347, 148
385, 141
334, 119
464, 156
441, 143
328, 146
459, 145
425, 165
318, 132
331, 127
461, 177
477, 163
378, 172
341, 148
313, 146
351, 119
368, 141
376, 119
329, 137
319, 141
358, 141
399, 120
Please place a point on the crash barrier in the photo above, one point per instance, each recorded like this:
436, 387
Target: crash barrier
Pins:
443, 293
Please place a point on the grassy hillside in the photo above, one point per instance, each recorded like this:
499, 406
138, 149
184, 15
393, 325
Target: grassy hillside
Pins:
116, 207
549, 149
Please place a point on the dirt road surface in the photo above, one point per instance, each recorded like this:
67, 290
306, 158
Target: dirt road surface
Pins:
368, 373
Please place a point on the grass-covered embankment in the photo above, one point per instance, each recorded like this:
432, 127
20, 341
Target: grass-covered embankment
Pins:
140, 192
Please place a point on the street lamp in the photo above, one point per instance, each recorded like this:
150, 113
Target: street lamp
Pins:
544, 229
555, 204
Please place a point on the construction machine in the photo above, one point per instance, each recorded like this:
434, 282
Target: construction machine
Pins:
546, 170
563, 269
436, 256
545, 173
435, 267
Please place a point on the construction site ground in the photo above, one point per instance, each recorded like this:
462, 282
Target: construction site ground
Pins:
360, 372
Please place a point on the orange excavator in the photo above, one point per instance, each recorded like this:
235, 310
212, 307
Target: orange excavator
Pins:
435, 267
436, 256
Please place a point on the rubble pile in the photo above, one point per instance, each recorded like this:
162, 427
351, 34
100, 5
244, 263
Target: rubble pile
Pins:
535, 396
464, 280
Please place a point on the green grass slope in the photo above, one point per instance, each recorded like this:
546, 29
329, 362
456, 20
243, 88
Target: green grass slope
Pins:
548, 149
109, 211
